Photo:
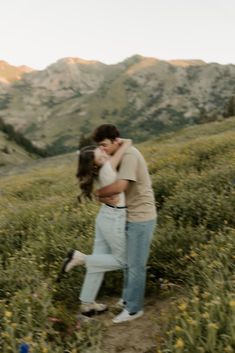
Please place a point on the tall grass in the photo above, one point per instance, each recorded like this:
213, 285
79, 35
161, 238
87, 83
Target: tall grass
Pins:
194, 183
194, 247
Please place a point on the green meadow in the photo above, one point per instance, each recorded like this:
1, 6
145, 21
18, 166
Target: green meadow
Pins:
192, 257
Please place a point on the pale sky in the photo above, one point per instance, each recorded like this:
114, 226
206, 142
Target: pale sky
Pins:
37, 33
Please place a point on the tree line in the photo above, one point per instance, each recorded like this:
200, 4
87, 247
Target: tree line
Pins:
21, 140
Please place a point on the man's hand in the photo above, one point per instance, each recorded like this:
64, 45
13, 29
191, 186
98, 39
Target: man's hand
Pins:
110, 200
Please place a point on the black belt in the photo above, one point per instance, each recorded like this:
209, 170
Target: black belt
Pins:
115, 206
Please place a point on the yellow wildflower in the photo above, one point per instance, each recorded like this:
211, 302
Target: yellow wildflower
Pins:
213, 325
179, 344
178, 328
182, 306
232, 303
8, 314
192, 322
193, 254
28, 339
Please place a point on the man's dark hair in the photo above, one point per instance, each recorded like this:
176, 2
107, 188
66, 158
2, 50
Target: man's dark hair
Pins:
105, 131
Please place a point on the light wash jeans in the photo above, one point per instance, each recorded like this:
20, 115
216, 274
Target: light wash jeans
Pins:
109, 251
139, 237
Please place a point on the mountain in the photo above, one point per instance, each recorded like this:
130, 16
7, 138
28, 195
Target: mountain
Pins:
55, 107
10, 73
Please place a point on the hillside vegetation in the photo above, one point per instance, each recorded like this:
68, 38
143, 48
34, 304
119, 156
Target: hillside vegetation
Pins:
145, 97
192, 257
11, 153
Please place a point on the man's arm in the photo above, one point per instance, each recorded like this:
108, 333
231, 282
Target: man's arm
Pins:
112, 189
126, 173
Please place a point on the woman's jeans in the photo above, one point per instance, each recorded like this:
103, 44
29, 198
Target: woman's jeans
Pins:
139, 236
109, 251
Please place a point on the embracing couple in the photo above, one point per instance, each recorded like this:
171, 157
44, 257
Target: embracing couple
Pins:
116, 172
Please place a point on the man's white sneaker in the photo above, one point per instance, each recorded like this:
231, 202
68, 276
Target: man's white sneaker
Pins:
73, 258
126, 316
90, 309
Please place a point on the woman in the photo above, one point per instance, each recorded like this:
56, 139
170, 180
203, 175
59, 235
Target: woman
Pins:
109, 252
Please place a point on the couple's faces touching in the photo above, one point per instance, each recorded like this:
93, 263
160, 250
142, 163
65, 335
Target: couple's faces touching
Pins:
105, 148
100, 156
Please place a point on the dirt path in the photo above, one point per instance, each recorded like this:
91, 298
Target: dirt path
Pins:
140, 335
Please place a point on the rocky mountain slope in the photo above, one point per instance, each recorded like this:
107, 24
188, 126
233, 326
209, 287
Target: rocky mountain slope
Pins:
55, 107
10, 73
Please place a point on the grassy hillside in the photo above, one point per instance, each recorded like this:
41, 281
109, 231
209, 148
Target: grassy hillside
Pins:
192, 256
11, 153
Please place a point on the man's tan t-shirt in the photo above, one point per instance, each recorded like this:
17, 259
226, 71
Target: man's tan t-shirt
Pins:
139, 194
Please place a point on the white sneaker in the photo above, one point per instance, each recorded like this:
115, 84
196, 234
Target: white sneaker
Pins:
90, 309
73, 258
126, 316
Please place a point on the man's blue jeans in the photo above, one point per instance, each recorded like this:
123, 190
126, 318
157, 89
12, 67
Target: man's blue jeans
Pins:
139, 237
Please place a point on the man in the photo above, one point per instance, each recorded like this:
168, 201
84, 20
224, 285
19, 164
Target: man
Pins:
134, 180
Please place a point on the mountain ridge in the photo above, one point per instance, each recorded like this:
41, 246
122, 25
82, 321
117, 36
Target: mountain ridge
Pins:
144, 96
10, 73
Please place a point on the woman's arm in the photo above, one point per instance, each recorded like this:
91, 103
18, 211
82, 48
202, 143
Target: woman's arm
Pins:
115, 188
117, 156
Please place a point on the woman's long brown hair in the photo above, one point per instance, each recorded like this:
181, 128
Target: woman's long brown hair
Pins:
87, 171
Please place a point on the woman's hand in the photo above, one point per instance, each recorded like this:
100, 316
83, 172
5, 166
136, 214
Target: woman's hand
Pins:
122, 141
119, 140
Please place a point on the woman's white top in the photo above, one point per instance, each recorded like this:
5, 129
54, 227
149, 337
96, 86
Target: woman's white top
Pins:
107, 175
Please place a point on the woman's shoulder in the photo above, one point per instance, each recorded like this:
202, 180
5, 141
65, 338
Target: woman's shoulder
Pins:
106, 169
